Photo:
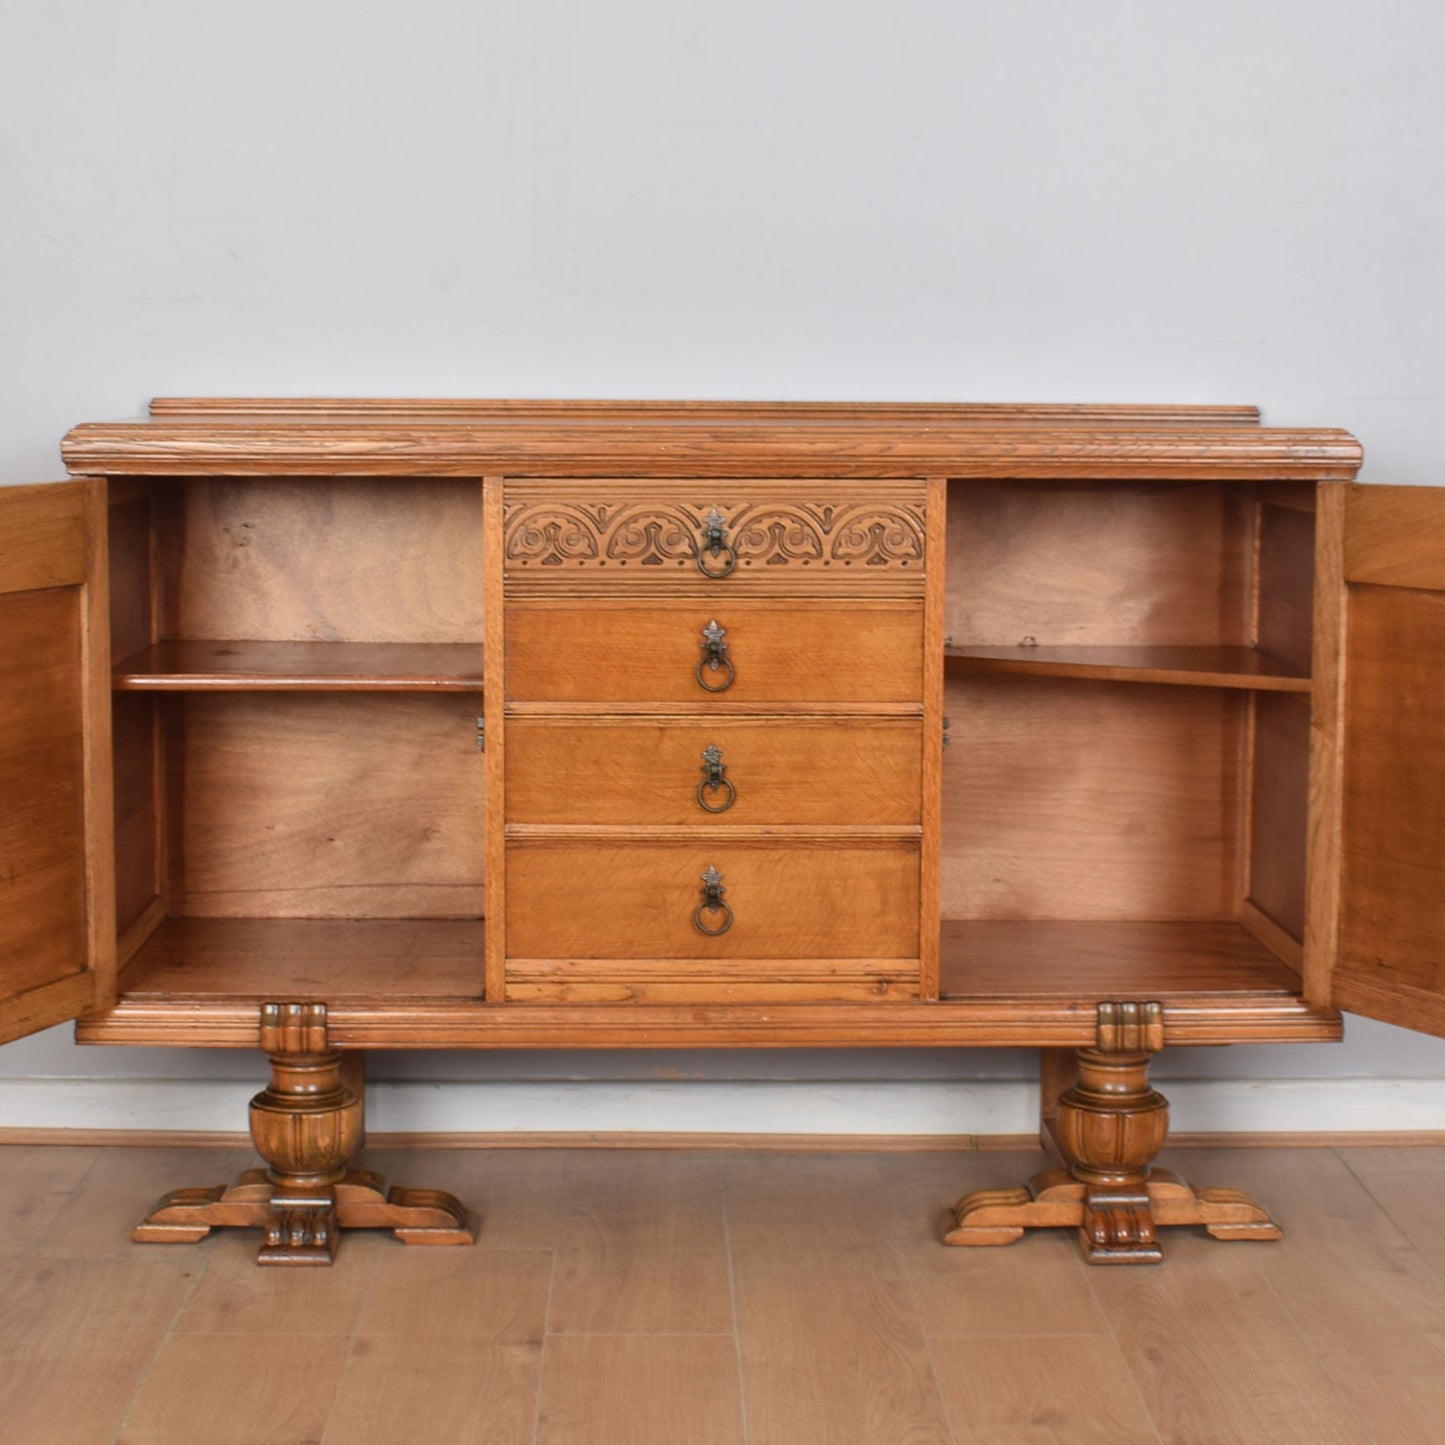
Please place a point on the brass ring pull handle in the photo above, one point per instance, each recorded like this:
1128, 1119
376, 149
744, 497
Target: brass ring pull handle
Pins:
714, 781
715, 544
712, 891
715, 659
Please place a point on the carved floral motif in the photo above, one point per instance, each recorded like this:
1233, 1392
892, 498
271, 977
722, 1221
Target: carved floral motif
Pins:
669, 533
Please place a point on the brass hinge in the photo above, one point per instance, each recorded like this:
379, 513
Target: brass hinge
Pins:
481, 734
1129, 1027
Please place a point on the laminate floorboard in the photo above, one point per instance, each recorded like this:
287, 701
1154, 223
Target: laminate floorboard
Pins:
714, 1298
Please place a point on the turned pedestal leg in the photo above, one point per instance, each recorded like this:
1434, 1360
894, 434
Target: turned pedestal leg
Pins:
1108, 1127
306, 1124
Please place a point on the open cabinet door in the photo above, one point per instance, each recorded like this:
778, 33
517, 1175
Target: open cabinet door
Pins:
1377, 939
57, 910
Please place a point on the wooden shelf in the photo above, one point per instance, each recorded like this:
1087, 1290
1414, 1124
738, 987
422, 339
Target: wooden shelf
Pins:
222, 666
1242, 667
337, 961
1093, 960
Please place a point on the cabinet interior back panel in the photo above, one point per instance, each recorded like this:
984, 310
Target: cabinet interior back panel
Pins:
1090, 800
322, 806
1122, 564
1286, 583
326, 559
131, 577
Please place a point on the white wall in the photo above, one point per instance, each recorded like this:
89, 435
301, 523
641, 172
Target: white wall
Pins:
928, 199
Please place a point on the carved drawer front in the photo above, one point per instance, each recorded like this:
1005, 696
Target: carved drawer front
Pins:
726, 771
705, 902
564, 535
725, 655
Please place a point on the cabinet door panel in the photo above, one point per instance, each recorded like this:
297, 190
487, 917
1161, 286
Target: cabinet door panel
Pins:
56, 880
1384, 818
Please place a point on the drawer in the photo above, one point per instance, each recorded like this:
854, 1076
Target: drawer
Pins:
562, 534
726, 771
586, 900
811, 652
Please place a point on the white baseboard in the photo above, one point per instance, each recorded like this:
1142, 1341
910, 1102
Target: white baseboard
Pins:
914, 1107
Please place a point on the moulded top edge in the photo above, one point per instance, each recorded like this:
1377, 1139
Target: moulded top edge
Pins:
298, 446
555, 409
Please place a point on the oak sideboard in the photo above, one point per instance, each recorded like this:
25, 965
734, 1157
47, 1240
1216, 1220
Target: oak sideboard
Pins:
334, 726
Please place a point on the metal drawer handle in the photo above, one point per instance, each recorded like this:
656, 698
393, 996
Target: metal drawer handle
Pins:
715, 658
712, 891
715, 544
713, 781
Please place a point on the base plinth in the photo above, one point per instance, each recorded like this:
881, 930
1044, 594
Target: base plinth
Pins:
303, 1229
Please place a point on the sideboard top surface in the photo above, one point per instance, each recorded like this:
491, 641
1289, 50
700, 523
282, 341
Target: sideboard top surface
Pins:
316, 436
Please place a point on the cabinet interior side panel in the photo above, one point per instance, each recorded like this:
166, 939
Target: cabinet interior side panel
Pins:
1098, 564
329, 806
1279, 818
328, 560
1065, 799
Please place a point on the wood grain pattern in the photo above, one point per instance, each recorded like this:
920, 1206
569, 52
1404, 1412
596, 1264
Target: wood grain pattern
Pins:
111, 1313
45, 541
1046, 1391
641, 1246
329, 960
57, 888
458, 1391
637, 900
781, 770
217, 666
1285, 627
645, 1389
830, 1356
807, 652
934, 727
1223, 1345
1322, 875
1246, 1375
291, 445
326, 560
1392, 537
1090, 800
135, 743
259, 1387
1393, 908
495, 757
1098, 564
1279, 815
42, 778
317, 805
1092, 961
133, 575
1242, 667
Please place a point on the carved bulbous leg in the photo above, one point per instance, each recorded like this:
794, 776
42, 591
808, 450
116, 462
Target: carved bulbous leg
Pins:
306, 1124
1108, 1127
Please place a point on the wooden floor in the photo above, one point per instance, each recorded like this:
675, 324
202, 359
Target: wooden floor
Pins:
688, 1298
